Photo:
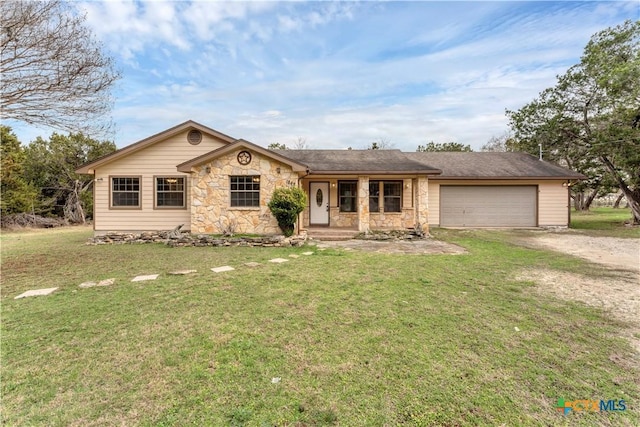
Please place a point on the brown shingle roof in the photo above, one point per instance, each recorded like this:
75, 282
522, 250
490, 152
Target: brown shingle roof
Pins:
453, 165
358, 161
492, 165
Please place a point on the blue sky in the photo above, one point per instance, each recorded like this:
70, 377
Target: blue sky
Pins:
338, 74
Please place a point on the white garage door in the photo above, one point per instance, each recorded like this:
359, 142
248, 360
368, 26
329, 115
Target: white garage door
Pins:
488, 206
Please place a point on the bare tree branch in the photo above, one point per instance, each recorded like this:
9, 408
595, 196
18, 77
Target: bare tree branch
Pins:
53, 71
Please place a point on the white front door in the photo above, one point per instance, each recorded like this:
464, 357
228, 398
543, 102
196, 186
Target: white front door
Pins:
319, 203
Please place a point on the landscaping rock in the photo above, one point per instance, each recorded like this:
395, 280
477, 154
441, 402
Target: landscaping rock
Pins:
176, 239
383, 235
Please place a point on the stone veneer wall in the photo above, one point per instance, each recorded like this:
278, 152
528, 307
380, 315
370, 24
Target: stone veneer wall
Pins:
342, 219
211, 210
396, 220
375, 220
422, 202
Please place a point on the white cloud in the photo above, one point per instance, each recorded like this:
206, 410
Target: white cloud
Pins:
129, 27
340, 73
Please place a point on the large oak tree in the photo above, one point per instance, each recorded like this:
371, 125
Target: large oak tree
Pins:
590, 120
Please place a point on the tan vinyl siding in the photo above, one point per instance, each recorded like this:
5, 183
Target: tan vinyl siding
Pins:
156, 160
552, 199
553, 204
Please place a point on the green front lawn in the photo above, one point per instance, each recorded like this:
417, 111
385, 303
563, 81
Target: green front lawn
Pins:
604, 222
357, 339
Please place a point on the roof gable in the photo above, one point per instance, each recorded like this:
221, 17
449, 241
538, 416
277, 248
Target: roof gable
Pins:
236, 145
89, 167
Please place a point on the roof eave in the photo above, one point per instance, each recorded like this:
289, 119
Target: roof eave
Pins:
487, 178
374, 172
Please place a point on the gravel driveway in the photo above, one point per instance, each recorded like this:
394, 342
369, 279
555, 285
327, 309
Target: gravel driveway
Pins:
609, 251
617, 291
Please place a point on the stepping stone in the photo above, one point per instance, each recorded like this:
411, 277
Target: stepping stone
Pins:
278, 260
105, 282
222, 269
182, 272
307, 253
294, 256
36, 292
144, 278
252, 264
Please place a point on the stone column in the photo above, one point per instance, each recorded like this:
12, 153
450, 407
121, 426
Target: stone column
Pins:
422, 203
363, 203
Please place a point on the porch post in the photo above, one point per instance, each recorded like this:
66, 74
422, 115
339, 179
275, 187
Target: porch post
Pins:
422, 203
363, 203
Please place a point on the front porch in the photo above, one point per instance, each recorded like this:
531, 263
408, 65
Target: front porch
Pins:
342, 206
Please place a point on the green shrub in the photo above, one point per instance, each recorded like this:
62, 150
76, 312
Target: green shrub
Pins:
286, 204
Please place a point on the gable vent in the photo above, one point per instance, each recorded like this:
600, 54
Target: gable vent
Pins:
194, 137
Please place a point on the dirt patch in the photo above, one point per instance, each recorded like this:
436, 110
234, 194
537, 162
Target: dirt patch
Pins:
618, 292
619, 296
608, 251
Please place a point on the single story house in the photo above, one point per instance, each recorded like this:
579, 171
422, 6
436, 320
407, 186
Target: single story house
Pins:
193, 175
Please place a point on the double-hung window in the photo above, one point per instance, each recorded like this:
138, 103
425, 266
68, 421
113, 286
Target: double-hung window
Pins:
392, 196
391, 192
245, 191
348, 194
170, 192
374, 196
125, 192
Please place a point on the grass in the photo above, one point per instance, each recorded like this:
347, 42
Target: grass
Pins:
604, 222
356, 338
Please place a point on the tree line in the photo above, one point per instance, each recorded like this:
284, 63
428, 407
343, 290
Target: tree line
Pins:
55, 74
40, 178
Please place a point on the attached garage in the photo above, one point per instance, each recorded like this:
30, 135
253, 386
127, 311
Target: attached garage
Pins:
488, 206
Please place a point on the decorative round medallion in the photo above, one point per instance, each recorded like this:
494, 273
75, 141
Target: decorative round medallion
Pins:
244, 157
194, 137
319, 197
